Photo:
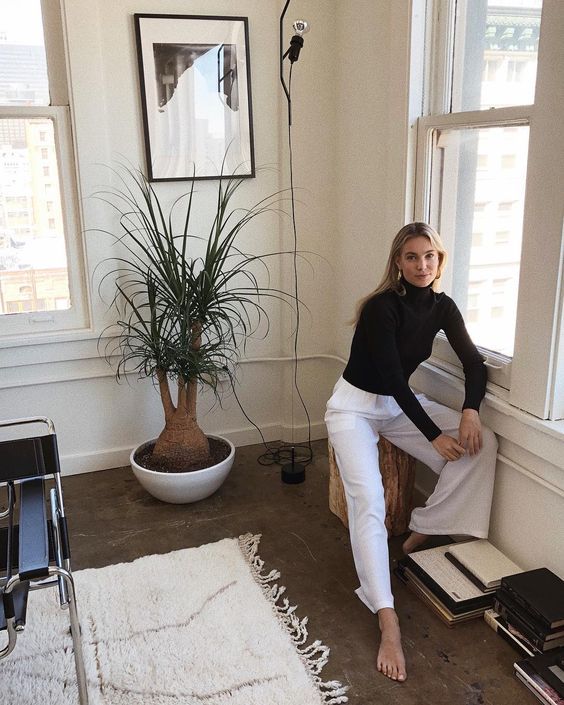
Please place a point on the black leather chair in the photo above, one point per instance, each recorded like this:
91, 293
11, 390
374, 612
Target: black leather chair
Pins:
34, 545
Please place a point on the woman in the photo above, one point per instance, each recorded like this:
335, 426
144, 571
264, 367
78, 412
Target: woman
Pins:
395, 328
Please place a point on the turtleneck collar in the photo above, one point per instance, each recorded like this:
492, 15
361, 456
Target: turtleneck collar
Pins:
416, 293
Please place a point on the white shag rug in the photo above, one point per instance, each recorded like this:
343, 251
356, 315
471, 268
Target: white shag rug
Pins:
200, 626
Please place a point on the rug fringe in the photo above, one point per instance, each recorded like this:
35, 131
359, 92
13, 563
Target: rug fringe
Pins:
314, 656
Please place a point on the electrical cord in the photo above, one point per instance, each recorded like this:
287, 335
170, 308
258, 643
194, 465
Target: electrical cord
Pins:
282, 453
278, 453
296, 290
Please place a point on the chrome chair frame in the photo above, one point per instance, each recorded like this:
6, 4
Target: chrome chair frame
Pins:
47, 570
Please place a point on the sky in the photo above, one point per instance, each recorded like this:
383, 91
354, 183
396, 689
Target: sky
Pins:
20, 20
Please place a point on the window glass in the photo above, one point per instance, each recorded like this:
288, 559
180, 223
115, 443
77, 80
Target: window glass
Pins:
23, 68
495, 61
33, 259
483, 236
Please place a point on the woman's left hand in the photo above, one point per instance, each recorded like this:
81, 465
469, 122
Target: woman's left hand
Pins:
470, 431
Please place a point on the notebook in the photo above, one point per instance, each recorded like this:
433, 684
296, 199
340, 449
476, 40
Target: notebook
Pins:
488, 564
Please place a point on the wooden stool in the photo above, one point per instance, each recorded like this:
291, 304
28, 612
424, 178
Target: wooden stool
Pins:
398, 475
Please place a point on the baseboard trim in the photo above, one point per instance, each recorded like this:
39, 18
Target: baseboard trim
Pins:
80, 463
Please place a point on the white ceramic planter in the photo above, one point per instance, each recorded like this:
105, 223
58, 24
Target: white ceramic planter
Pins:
183, 487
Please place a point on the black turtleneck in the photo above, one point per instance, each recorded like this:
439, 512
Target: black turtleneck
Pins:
395, 334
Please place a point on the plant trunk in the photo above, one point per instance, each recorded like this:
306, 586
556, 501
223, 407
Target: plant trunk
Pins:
182, 444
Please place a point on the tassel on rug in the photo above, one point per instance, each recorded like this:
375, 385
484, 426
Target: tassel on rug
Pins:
314, 656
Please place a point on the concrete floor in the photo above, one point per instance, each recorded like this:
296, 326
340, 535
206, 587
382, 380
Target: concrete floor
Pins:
112, 519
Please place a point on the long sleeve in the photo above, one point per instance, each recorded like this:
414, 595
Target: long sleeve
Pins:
379, 326
475, 373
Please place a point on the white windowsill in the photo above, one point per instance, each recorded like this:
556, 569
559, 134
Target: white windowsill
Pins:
71, 336
495, 399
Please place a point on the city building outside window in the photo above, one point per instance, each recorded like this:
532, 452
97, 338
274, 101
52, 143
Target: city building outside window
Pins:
41, 262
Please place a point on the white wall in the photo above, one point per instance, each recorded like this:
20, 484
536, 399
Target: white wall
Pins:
371, 146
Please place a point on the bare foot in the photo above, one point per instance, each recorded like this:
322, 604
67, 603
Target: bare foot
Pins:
414, 540
390, 661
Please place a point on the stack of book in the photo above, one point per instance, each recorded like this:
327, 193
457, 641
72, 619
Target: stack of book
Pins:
530, 607
544, 676
442, 586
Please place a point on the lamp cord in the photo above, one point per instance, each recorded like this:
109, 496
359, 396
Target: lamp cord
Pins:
282, 453
296, 291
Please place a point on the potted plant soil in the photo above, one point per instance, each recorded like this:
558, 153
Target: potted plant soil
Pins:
186, 303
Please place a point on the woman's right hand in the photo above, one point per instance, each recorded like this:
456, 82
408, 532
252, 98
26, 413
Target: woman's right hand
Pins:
448, 447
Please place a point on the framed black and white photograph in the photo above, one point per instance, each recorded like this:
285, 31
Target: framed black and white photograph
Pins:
196, 96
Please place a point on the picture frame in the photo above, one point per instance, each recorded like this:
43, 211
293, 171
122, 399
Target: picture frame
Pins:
195, 85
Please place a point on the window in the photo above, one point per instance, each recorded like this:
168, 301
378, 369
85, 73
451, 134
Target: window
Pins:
482, 167
480, 246
496, 63
516, 70
502, 237
508, 161
477, 239
41, 261
491, 67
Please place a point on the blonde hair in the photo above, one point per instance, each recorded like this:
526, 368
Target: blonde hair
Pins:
391, 279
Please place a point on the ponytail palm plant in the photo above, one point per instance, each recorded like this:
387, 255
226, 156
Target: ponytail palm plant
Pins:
182, 316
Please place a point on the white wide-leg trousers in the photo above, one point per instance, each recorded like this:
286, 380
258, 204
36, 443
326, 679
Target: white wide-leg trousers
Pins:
460, 503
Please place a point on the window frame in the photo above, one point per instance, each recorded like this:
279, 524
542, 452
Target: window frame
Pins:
36, 325
427, 129
533, 377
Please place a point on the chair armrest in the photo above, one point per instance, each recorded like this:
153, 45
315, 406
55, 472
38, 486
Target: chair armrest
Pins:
33, 533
